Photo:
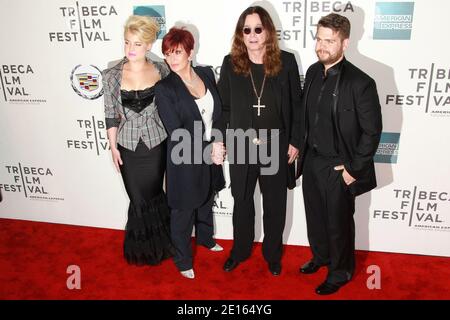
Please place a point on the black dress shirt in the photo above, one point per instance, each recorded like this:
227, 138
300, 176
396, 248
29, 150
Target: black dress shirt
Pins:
321, 137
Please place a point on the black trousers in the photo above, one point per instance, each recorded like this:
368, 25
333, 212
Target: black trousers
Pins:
274, 193
182, 223
329, 208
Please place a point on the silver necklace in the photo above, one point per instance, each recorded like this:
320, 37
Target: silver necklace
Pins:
194, 79
259, 105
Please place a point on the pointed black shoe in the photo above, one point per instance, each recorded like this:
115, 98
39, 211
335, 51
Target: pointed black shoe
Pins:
230, 265
275, 268
328, 288
310, 267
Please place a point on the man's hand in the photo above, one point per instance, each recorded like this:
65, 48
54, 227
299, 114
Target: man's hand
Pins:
348, 179
292, 153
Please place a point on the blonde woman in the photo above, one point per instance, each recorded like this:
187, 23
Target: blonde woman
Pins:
137, 139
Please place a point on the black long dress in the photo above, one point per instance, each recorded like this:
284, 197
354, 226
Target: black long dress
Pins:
147, 233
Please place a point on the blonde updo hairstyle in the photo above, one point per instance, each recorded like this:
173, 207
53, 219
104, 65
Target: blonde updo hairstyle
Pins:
144, 27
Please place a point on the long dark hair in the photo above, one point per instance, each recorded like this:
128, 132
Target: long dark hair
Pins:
239, 54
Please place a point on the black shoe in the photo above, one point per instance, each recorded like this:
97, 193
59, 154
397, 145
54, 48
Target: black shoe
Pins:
275, 268
230, 265
310, 267
328, 288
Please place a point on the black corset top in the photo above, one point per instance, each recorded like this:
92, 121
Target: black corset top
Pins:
137, 100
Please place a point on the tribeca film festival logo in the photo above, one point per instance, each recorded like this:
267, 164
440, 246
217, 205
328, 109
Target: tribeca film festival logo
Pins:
430, 91
13, 81
86, 81
420, 209
387, 151
93, 136
84, 24
156, 12
393, 20
305, 15
30, 181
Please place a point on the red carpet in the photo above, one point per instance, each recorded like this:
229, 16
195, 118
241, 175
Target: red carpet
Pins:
34, 258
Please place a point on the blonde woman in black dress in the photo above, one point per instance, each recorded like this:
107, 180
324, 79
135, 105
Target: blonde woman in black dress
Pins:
137, 139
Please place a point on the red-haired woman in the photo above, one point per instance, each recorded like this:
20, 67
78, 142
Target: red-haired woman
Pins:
260, 89
188, 103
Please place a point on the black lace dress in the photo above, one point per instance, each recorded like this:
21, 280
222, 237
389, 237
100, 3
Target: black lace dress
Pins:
147, 233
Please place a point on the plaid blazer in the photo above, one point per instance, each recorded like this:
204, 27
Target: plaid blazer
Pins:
132, 126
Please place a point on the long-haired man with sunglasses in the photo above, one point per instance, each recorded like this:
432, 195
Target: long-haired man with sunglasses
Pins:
260, 90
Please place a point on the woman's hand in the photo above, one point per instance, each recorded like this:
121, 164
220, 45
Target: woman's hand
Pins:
116, 158
218, 153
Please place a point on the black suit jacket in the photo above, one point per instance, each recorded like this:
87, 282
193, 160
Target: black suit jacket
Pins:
188, 184
236, 93
357, 119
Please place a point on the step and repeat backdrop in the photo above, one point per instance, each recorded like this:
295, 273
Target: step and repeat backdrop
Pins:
55, 163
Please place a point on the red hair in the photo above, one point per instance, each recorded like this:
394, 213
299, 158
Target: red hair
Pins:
175, 37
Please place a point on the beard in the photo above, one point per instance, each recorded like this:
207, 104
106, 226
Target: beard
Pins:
327, 58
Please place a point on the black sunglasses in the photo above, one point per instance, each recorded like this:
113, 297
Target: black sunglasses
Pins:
258, 30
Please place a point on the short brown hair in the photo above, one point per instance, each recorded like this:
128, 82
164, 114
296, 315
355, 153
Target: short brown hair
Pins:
337, 23
239, 54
